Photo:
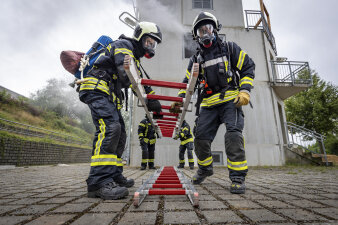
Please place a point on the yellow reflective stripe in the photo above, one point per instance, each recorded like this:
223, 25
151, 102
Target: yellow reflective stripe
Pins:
100, 137
103, 164
182, 92
146, 140
150, 160
237, 165
94, 80
142, 125
93, 87
187, 74
191, 160
104, 157
182, 161
152, 141
205, 162
109, 47
245, 80
187, 141
214, 99
103, 160
124, 51
186, 128
144, 160
226, 66
140, 134
151, 93
241, 59
119, 162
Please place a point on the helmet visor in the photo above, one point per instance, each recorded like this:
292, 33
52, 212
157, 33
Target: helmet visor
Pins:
149, 43
206, 29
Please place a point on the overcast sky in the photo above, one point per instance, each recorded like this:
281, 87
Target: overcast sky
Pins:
34, 32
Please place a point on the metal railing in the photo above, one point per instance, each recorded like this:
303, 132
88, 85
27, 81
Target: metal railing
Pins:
289, 71
305, 138
255, 20
32, 131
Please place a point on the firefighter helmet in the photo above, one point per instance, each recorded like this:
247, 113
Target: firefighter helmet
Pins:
202, 19
147, 28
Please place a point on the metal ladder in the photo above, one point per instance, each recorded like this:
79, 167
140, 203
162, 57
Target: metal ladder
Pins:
167, 126
167, 180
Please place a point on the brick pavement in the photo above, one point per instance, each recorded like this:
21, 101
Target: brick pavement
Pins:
282, 195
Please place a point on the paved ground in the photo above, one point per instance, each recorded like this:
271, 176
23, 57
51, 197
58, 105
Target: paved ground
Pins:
57, 195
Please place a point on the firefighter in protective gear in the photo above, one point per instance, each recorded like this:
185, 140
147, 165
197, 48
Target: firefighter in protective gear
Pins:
101, 91
147, 137
225, 81
187, 143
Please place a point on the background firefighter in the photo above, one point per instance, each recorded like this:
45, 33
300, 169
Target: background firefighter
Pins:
226, 79
147, 137
101, 91
187, 143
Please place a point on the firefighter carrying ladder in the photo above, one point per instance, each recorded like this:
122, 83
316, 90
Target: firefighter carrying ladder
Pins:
167, 180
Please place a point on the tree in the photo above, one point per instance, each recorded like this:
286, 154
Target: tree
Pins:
315, 108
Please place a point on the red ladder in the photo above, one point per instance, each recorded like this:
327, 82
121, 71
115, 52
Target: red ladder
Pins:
171, 123
167, 181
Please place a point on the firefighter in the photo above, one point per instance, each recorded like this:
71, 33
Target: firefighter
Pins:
187, 143
101, 91
224, 83
147, 137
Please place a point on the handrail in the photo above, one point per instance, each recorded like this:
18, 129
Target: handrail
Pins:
304, 138
255, 19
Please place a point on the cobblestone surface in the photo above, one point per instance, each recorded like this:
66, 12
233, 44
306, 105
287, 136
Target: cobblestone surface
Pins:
281, 195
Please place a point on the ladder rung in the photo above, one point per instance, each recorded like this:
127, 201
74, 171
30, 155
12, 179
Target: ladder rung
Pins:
165, 98
167, 182
167, 192
167, 84
168, 118
167, 185
166, 114
165, 122
165, 106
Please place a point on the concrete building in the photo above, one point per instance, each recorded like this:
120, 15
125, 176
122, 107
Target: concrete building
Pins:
276, 79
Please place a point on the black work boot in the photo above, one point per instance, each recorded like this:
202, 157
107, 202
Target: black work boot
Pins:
181, 165
201, 174
151, 166
237, 186
109, 191
143, 167
124, 182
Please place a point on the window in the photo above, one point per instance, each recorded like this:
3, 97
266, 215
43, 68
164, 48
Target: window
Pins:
217, 158
189, 45
202, 4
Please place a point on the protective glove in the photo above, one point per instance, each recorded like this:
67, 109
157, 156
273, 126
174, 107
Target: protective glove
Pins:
242, 98
175, 107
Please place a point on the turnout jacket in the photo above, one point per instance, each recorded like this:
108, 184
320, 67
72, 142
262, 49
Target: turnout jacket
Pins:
146, 132
108, 72
185, 134
224, 67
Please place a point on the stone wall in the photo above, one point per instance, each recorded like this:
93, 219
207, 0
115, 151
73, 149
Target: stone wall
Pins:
22, 153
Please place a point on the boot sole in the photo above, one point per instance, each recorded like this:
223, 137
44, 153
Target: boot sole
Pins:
237, 191
94, 195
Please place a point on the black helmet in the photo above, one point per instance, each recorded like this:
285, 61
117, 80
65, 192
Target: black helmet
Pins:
149, 34
208, 25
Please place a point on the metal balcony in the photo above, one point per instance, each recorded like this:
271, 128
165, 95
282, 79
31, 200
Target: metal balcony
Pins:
289, 77
255, 19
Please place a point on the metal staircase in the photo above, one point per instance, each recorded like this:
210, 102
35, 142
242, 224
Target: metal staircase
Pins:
299, 141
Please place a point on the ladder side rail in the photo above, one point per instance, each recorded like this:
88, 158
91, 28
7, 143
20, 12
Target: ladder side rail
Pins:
131, 71
188, 95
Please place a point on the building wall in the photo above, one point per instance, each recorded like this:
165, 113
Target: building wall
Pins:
262, 131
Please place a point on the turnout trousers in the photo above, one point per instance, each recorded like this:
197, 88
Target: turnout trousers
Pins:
207, 125
109, 141
148, 154
189, 147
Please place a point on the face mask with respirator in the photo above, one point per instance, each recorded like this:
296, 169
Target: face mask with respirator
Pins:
206, 35
149, 45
